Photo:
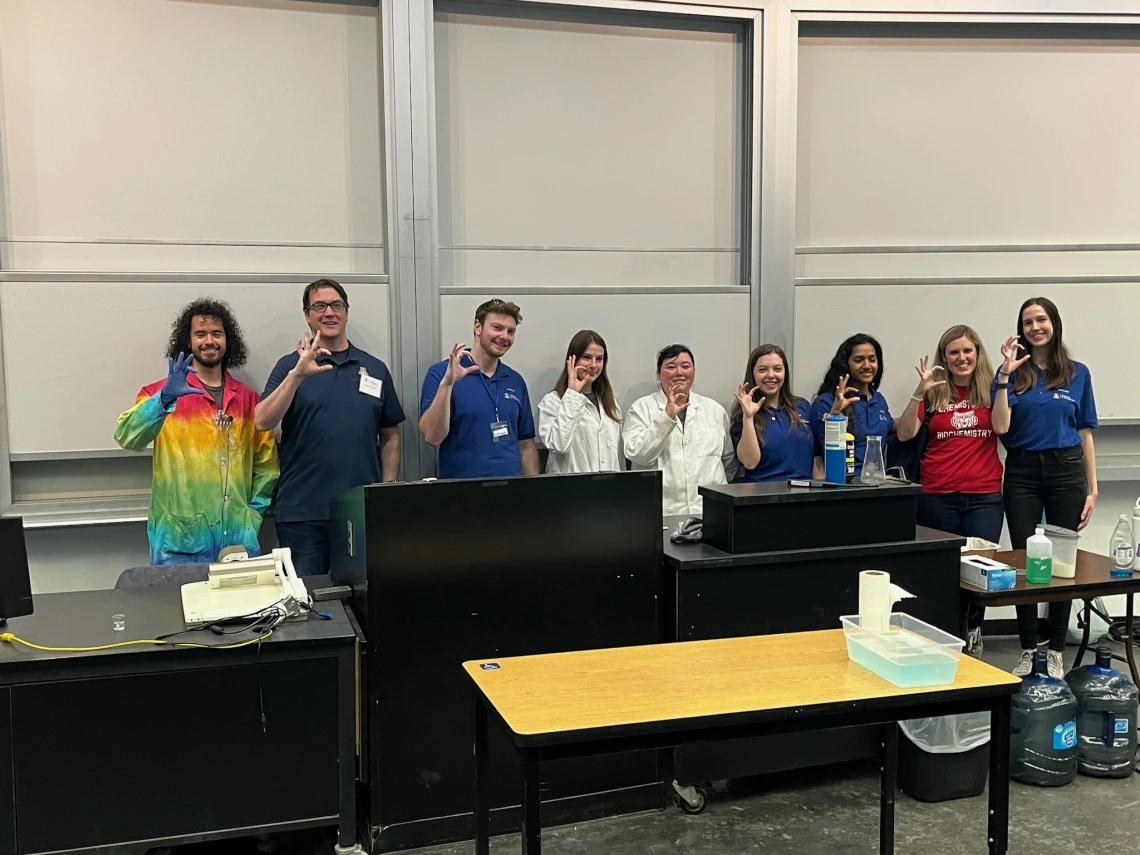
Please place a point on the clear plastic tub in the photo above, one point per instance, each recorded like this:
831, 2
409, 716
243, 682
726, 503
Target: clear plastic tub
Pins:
910, 653
1065, 542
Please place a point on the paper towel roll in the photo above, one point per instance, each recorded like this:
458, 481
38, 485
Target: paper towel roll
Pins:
877, 597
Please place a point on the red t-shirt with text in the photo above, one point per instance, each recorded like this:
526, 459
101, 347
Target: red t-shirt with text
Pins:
961, 449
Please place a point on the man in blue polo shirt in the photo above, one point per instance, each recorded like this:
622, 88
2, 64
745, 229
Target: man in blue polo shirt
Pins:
335, 404
475, 409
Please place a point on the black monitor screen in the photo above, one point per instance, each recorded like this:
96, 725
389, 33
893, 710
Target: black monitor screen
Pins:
15, 583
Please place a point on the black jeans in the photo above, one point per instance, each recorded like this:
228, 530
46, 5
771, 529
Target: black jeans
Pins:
308, 541
1054, 482
966, 514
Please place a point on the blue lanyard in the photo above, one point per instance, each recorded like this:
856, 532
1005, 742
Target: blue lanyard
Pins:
492, 395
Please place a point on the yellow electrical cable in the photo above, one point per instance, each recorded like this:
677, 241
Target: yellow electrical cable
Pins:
11, 637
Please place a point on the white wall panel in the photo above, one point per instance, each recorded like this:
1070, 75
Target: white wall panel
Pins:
187, 121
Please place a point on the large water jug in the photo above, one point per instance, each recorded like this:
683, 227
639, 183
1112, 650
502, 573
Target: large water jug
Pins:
1106, 718
1043, 736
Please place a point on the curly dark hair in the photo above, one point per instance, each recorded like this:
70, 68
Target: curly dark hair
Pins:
208, 307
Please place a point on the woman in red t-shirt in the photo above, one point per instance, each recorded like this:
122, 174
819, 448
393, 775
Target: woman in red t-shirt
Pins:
960, 470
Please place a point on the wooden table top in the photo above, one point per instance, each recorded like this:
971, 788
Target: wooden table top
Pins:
564, 692
1092, 579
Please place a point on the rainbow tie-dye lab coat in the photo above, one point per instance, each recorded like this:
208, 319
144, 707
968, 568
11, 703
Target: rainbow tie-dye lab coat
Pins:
213, 474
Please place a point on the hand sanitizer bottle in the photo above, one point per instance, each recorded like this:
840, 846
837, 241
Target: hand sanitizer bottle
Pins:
1039, 558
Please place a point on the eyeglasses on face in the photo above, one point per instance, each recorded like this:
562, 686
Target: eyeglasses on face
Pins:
338, 306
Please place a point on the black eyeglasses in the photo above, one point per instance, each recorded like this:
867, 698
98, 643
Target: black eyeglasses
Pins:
337, 306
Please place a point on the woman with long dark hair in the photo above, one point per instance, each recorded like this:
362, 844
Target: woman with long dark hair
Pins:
578, 422
1050, 463
851, 387
769, 425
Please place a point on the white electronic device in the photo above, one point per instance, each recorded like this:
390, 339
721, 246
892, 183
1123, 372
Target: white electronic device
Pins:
239, 586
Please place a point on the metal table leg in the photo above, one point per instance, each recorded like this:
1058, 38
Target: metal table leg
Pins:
531, 804
1129, 648
998, 828
888, 782
482, 781
346, 751
964, 603
1084, 635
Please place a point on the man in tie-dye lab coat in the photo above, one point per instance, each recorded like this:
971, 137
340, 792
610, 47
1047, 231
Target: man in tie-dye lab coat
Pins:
213, 472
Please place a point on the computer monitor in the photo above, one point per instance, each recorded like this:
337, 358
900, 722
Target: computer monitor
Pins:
15, 582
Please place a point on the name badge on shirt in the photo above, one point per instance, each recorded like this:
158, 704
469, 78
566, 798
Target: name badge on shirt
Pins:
499, 430
370, 385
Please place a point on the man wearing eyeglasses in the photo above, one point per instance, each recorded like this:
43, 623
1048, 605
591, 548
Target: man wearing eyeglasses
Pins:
334, 403
475, 408
213, 470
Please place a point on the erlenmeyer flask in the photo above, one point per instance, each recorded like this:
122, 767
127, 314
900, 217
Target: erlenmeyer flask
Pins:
874, 469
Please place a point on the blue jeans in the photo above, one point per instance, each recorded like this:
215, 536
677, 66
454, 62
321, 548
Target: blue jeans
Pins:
965, 514
308, 541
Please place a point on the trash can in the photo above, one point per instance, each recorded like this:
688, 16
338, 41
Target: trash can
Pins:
944, 758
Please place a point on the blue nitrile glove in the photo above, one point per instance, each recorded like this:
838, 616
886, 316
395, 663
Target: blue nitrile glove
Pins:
176, 386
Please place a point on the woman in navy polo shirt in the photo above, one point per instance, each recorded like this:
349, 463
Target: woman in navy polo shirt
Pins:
1050, 465
769, 424
851, 387
960, 470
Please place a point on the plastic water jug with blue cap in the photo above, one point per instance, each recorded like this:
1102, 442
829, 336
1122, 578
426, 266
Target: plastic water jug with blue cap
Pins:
1043, 732
1106, 718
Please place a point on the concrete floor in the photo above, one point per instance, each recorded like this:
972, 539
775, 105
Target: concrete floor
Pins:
831, 811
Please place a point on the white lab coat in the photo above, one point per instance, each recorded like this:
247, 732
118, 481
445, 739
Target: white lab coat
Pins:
578, 436
696, 453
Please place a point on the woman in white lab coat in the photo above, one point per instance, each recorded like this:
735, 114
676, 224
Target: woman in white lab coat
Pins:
683, 434
579, 423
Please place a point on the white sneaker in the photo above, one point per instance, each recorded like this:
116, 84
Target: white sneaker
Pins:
1056, 665
974, 643
1024, 666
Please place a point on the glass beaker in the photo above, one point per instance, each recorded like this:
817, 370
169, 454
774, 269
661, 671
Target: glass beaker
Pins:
874, 469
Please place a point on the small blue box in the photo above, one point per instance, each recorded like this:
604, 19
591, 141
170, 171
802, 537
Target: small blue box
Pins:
987, 574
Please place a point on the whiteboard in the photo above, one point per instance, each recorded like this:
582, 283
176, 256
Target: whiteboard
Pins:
908, 320
556, 140
967, 141
92, 346
252, 124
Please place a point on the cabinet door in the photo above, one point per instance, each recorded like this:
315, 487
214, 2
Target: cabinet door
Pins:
7, 777
142, 757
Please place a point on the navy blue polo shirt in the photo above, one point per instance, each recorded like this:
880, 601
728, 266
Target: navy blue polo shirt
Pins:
478, 401
1042, 419
330, 433
865, 417
787, 451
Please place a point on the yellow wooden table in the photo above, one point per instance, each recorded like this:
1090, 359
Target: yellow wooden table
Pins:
663, 695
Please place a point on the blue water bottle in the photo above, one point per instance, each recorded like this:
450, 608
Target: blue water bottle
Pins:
835, 449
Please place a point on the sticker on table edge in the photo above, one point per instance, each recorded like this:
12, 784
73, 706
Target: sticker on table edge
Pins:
489, 666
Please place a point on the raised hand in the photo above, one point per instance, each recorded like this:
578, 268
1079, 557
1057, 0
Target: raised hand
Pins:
308, 351
844, 395
575, 376
176, 385
926, 376
676, 400
456, 370
1009, 352
748, 406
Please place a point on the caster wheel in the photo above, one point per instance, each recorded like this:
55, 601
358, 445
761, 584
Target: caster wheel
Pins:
698, 806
